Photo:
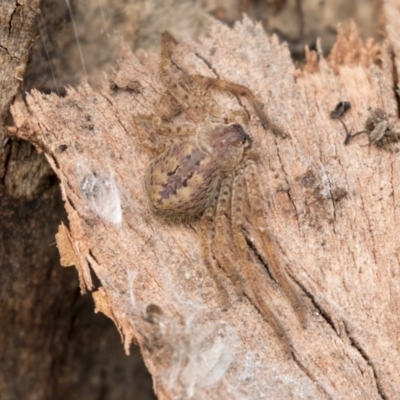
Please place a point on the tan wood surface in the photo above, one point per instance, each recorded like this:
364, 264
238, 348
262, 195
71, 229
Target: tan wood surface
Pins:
332, 210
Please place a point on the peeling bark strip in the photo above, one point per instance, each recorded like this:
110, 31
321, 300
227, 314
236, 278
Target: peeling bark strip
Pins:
342, 251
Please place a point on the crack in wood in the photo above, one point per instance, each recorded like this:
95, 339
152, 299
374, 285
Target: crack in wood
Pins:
309, 375
364, 355
324, 314
259, 258
287, 182
209, 65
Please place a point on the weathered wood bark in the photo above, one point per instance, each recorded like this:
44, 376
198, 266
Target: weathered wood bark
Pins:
50, 346
25, 259
332, 211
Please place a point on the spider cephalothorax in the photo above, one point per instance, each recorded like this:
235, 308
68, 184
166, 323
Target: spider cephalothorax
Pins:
207, 171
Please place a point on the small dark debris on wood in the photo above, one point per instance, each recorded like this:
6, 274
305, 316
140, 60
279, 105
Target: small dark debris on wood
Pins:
337, 113
340, 109
381, 130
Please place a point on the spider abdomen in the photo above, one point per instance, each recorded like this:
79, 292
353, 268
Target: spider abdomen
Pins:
181, 181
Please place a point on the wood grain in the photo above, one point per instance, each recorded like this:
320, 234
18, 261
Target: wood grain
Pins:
332, 210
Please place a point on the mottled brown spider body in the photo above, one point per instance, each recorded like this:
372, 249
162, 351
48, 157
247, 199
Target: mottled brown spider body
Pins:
205, 169
183, 181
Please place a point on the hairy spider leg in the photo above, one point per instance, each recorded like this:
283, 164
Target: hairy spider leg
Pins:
258, 228
177, 81
189, 89
166, 134
185, 88
206, 232
153, 143
167, 109
223, 230
240, 90
244, 259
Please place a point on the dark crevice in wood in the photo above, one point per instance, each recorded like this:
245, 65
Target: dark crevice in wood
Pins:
324, 314
364, 355
309, 374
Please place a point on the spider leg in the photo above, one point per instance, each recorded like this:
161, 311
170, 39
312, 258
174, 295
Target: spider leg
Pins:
167, 107
183, 87
189, 90
206, 230
154, 134
167, 43
152, 143
177, 81
259, 229
171, 129
240, 90
242, 251
223, 231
